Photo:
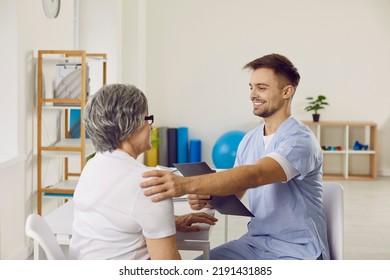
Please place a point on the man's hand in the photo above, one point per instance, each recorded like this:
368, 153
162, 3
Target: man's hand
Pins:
198, 202
184, 222
165, 184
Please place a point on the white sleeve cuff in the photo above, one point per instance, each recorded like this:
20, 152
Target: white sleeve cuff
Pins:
288, 169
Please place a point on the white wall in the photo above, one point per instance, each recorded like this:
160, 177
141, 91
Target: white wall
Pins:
133, 43
100, 32
15, 205
8, 72
27, 29
196, 50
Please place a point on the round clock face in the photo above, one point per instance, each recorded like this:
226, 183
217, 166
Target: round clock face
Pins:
51, 8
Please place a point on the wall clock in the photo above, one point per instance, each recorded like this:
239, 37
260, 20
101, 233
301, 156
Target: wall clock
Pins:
51, 8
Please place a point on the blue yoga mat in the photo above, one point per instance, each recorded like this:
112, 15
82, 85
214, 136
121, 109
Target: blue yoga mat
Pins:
182, 144
195, 150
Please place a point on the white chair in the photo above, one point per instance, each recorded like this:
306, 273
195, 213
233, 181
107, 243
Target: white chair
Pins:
40, 232
333, 202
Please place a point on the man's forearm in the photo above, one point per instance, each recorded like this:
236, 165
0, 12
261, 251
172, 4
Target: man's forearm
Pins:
232, 181
235, 180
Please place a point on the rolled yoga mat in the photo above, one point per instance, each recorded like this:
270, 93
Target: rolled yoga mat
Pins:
182, 144
195, 150
172, 146
163, 146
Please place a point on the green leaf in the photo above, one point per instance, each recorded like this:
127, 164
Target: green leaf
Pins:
316, 104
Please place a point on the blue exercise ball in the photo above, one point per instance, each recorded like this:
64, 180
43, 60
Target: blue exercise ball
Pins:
225, 149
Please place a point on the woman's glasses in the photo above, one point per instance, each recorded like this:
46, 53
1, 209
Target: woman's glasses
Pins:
149, 119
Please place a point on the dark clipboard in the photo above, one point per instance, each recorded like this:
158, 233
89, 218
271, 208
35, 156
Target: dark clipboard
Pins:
229, 204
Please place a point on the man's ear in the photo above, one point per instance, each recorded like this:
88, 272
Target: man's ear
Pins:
288, 91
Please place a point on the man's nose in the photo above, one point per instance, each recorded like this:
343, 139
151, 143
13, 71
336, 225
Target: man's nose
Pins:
252, 93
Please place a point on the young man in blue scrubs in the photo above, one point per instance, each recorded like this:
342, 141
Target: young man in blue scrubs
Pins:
278, 164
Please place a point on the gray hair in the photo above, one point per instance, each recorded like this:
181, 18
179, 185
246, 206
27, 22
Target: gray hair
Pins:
113, 114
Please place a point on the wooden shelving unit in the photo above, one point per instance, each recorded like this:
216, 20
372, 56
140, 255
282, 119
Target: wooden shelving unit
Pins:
63, 146
347, 163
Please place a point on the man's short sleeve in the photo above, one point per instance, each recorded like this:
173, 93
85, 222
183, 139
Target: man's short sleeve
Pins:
301, 151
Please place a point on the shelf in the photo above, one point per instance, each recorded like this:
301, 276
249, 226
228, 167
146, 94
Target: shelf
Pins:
72, 142
60, 149
70, 154
350, 152
58, 107
77, 102
333, 177
339, 123
62, 187
361, 152
347, 163
62, 154
70, 56
334, 152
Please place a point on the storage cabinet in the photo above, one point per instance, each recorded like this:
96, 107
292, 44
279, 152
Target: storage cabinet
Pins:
55, 149
341, 160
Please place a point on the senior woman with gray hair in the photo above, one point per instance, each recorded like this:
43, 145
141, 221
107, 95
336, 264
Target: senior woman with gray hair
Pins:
112, 217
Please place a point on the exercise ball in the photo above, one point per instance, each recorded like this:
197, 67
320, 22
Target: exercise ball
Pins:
225, 149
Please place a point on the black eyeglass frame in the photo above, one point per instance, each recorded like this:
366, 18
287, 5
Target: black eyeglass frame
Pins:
149, 119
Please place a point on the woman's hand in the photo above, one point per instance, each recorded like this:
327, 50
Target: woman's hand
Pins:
185, 223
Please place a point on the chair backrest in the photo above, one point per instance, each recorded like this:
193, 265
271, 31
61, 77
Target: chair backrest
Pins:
38, 229
333, 201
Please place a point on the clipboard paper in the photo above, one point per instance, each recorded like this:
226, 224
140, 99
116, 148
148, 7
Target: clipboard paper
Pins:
227, 205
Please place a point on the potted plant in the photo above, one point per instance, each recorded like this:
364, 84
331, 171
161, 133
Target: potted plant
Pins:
316, 105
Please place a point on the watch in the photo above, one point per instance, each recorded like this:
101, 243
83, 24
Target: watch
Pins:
51, 8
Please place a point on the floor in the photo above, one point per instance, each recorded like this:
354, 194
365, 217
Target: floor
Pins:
366, 222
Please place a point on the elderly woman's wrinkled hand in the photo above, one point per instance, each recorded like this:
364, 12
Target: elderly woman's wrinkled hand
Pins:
185, 223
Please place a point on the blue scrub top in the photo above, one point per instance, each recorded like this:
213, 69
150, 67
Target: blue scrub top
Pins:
289, 221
